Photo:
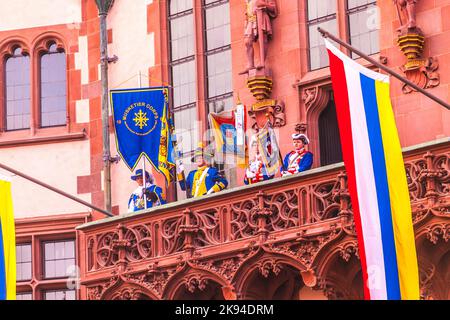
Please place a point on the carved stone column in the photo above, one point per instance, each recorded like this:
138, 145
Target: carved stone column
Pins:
343, 197
430, 175
121, 245
189, 231
261, 214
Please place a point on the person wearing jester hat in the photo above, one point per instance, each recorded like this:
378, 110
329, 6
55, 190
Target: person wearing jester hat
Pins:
256, 170
299, 159
153, 193
204, 180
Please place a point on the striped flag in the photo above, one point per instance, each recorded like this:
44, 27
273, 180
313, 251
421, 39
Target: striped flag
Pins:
7, 244
376, 178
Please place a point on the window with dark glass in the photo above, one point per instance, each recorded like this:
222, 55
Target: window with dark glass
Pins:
60, 295
218, 55
321, 13
330, 142
59, 256
363, 25
183, 72
53, 88
24, 296
17, 85
23, 262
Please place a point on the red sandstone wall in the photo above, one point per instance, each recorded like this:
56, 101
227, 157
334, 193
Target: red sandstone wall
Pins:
419, 119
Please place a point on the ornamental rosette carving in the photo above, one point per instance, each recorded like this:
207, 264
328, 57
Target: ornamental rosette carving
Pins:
435, 232
305, 248
349, 249
94, 293
195, 282
267, 266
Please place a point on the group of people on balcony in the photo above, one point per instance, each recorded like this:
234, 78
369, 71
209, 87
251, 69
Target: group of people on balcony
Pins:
207, 179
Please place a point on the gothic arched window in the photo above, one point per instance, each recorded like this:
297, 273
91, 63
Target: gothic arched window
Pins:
53, 90
330, 142
17, 85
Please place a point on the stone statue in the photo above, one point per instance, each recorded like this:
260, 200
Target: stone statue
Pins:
410, 7
258, 27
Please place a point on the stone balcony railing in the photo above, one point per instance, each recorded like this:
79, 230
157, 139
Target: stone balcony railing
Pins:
296, 216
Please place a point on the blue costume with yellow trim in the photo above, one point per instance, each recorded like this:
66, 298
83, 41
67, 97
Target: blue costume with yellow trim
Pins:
154, 194
204, 180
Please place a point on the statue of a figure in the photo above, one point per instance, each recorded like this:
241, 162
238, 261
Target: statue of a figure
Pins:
410, 7
258, 27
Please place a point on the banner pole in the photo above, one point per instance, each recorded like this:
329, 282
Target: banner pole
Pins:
51, 188
326, 34
144, 176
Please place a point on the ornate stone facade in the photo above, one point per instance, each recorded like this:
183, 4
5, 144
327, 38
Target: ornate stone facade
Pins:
291, 238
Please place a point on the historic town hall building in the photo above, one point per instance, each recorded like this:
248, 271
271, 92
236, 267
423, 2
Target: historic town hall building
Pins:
289, 238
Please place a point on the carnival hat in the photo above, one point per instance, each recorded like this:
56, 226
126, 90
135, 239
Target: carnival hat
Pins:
200, 151
148, 176
301, 136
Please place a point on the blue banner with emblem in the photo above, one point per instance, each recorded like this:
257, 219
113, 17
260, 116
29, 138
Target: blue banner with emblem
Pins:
141, 122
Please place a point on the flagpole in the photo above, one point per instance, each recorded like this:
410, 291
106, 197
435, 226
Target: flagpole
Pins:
326, 34
144, 177
51, 188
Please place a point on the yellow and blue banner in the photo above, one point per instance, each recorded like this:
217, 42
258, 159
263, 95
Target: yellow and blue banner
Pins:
224, 131
142, 126
376, 180
7, 244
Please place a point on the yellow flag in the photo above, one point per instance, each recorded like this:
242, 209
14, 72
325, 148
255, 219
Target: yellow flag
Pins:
7, 244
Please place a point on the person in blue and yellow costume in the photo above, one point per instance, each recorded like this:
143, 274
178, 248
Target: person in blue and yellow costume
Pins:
256, 170
298, 160
154, 194
204, 180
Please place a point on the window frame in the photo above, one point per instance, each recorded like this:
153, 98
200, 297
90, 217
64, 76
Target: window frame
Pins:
342, 16
31, 260
41, 52
33, 47
348, 12
172, 63
43, 258
207, 53
7, 54
308, 23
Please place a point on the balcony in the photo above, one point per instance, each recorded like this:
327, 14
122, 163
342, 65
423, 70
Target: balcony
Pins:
289, 238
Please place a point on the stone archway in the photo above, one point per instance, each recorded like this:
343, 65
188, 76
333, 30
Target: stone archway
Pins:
339, 272
207, 290
129, 294
272, 276
192, 282
434, 271
127, 291
282, 284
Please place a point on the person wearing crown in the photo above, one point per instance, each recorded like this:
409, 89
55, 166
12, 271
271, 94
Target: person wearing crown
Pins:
256, 170
299, 159
204, 180
151, 192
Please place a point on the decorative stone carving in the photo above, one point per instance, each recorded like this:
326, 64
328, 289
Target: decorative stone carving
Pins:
268, 110
195, 282
411, 41
309, 278
347, 250
261, 229
268, 266
315, 97
258, 28
438, 231
409, 9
